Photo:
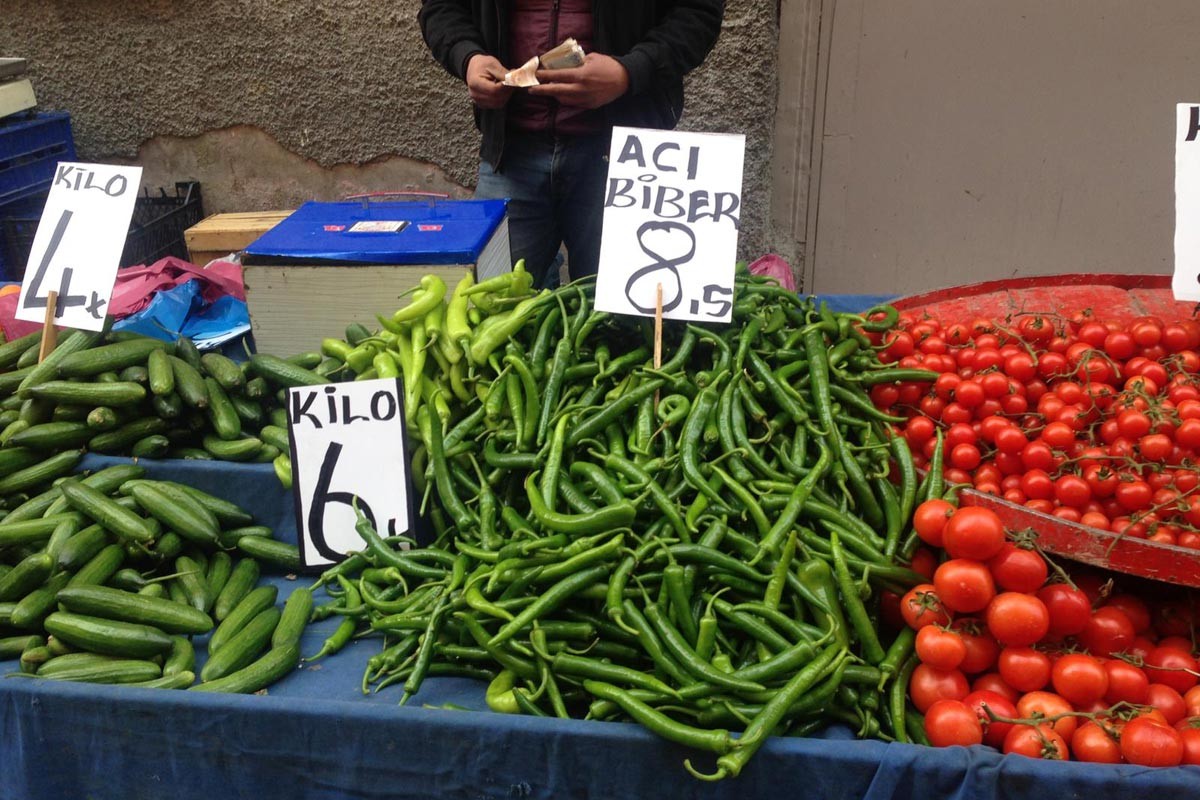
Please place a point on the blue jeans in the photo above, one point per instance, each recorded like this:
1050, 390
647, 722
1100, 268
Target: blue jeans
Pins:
555, 189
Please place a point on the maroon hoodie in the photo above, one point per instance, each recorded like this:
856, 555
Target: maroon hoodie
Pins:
535, 26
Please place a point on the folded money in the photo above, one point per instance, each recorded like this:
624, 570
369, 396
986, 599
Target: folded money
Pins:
565, 56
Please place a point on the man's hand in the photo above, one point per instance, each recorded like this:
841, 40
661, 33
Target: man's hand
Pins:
598, 82
485, 76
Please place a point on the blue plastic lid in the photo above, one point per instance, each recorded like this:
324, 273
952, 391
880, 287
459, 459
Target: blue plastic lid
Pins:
354, 232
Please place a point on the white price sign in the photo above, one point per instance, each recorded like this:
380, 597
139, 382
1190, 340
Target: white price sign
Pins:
348, 447
1186, 284
78, 244
671, 216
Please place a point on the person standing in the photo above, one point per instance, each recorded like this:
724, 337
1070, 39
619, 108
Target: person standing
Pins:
545, 148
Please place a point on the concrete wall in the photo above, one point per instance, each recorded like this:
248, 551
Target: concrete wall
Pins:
272, 102
968, 140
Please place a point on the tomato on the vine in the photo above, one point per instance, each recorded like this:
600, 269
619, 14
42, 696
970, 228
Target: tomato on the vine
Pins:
952, 722
1016, 619
1036, 741
1151, 744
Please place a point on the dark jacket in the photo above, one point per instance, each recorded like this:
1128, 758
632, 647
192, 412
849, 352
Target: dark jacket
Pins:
657, 41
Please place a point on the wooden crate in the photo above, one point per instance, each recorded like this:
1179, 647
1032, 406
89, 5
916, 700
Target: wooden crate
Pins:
221, 234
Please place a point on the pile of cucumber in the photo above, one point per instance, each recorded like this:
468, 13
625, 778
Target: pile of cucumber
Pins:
123, 394
106, 578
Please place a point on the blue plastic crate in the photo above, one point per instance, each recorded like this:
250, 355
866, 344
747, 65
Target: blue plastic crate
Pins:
14, 247
29, 150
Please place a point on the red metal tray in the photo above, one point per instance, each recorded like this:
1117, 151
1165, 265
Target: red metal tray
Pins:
1112, 296
1146, 559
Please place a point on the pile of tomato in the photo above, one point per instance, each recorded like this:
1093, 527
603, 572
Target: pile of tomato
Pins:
1016, 654
1095, 422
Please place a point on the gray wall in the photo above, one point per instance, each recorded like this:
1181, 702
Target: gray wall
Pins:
272, 102
968, 140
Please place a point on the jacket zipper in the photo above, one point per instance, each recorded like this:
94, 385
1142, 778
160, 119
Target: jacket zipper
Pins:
553, 43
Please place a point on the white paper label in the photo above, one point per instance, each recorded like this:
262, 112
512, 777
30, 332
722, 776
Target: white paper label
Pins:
671, 215
348, 445
379, 226
78, 244
1186, 284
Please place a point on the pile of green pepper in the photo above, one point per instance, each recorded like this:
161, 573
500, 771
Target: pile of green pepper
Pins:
698, 547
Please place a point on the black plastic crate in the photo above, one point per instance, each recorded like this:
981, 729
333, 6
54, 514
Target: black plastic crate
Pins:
156, 230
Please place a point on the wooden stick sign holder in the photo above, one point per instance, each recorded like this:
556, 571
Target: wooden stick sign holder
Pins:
49, 332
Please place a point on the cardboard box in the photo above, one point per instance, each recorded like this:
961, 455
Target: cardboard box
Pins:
221, 234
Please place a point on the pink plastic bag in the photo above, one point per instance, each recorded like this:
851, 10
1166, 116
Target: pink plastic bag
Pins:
773, 266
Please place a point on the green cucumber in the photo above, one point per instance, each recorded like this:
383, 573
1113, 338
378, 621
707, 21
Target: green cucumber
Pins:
10, 380
61, 535
308, 360
100, 568
102, 418
257, 388
153, 446
274, 666
82, 547
243, 647
100, 670
273, 551
226, 513
30, 531
224, 371
283, 470
178, 680
109, 357
249, 411
189, 383
274, 435
6, 612
178, 511
115, 604
12, 429
73, 342
296, 613
57, 646
255, 601
127, 580
221, 413
266, 455
191, 454
185, 349
8, 418
35, 411
167, 406
29, 358
279, 418
153, 590
31, 477
108, 637
283, 373
169, 545
117, 393
35, 606
53, 436
30, 573
106, 480
103, 509
220, 566
12, 646
10, 352
356, 332
229, 538
241, 581
190, 577
135, 374
106, 377
126, 435
181, 658
160, 374
243, 449
70, 413
15, 458
34, 657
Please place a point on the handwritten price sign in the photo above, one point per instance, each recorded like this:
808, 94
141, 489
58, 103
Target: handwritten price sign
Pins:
671, 218
78, 244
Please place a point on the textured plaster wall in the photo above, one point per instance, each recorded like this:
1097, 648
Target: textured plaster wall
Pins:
272, 102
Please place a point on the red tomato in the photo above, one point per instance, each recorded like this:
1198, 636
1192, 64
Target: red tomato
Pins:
921, 607
1080, 679
930, 520
1016, 569
1191, 700
964, 585
1049, 705
1135, 608
928, 685
952, 722
1166, 701
1024, 668
984, 701
1172, 666
973, 532
1126, 683
1151, 744
1036, 741
992, 682
940, 648
1108, 631
981, 647
1016, 619
1190, 737
1094, 743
